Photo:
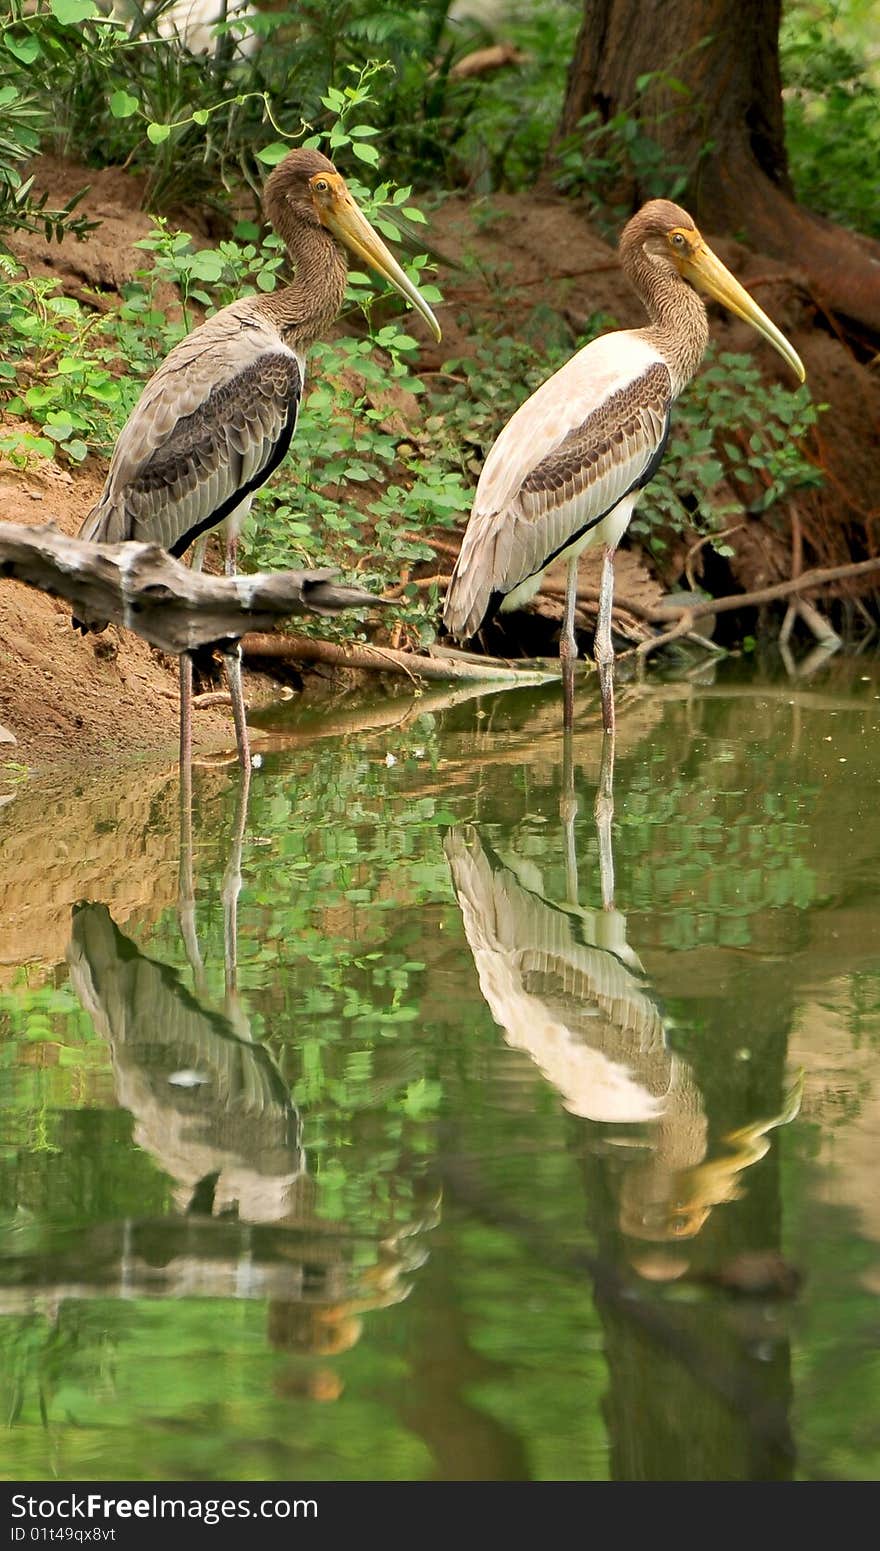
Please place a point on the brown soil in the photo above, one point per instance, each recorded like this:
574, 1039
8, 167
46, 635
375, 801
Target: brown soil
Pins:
64, 696
516, 264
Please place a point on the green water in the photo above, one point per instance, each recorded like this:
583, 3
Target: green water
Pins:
411, 1160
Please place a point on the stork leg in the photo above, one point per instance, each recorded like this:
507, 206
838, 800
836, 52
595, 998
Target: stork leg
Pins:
232, 664
234, 524
603, 649
568, 645
231, 659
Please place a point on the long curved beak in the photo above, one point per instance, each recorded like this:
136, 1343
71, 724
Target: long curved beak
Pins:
349, 224
706, 271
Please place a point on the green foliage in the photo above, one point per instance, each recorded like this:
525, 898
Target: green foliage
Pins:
32, 46
607, 158
832, 113
56, 372
604, 156
737, 447
114, 90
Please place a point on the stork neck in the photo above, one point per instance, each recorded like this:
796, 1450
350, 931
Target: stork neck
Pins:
303, 310
679, 327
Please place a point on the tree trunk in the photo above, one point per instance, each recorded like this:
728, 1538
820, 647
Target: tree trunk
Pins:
723, 134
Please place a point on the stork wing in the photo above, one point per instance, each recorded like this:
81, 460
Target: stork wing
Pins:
208, 430
590, 435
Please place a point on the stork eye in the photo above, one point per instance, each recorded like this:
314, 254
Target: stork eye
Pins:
678, 241
321, 186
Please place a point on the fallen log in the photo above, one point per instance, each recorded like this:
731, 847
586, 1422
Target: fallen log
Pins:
141, 587
440, 665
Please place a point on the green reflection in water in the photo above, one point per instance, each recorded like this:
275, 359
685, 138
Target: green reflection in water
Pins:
350, 1216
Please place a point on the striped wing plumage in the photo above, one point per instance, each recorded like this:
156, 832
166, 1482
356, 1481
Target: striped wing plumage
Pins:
583, 1016
208, 430
590, 436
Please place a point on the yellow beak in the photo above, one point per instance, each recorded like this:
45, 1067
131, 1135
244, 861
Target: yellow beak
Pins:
706, 271
349, 224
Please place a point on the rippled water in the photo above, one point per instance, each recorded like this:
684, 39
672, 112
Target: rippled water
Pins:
468, 1137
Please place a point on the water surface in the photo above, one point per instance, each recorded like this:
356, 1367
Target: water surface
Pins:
435, 1151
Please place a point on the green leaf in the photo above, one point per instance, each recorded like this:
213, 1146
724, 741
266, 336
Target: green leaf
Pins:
24, 49
200, 116
366, 153
157, 133
710, 473
123, 105
272, 154
69, 12
362, 131
40, 395
207, 265
59, 427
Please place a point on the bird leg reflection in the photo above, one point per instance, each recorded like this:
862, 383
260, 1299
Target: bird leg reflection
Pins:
231, 662
186, 894
232, 888
604, 813
603, 648
568, 645
568, 810
232, 881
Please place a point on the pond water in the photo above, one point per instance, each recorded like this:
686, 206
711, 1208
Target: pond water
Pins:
418, 1126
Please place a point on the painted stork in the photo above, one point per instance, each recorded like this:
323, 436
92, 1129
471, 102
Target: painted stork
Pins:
218, 416
568, 468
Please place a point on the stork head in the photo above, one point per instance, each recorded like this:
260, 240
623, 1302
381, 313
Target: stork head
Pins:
669, 237
306, 186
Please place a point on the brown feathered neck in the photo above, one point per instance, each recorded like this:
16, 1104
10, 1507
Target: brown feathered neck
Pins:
679, 327
303, 310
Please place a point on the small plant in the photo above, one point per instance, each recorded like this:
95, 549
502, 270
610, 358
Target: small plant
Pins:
30, 42
56, 373
736, 447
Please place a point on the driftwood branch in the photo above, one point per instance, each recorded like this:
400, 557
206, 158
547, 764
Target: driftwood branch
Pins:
661, 613
143, 588
806, 582
384, 659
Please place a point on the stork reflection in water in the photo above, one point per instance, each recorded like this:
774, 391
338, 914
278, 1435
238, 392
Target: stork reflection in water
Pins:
568, 990
569, 466
211, 1105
